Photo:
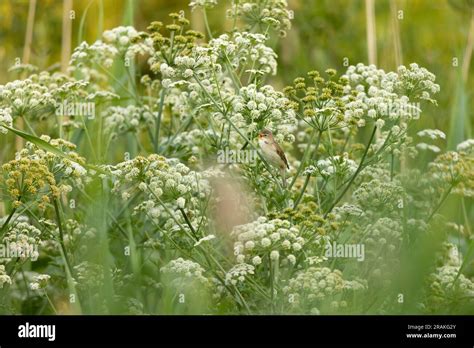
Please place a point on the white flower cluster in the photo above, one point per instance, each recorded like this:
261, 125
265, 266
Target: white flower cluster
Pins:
5, 119
416, 82
448, 285
309, 287
273, 13
428, 147
384, 234
203, 239
163, 181
99, 53
337, 165
79, 233
161, 177
118, 119
264, 238
454, 168
241, 52
25, 96
88, 275
22, 240
180, 102
432, 134
450, 255
194, 4
120, 36
238, 273
116, 42
192, 141
466, 146
245, 50
185, 272
378, 194
199, 61
40, 95
346, 210
40, 281
192, 79
310, 170
71, 168
260, 107
374, 95
4, 278
124, 39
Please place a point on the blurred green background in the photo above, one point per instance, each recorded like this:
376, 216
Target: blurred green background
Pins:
437, 34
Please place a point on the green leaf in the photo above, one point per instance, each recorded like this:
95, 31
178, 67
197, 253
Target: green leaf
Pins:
80, 36
459, 127
48, 147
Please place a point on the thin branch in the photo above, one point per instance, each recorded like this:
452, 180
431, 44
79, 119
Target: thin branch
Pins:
359, 169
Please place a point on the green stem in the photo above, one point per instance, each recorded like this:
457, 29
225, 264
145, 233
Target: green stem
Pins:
61, 235
305, 155
206, 23
50, 303
158, 121
359, 169
5, 224
446, 194
302, 191
466, 217
193, 231
392, 164
272, 285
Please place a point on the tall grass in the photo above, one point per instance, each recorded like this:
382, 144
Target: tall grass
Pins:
371, 34
66, 35
460, 121
26, 58
397, 44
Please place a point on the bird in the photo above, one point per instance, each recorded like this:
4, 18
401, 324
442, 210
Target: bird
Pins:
273, 153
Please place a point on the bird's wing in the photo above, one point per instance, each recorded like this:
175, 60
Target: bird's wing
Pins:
281, 154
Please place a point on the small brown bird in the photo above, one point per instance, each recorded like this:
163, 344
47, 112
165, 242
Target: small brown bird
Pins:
273, 153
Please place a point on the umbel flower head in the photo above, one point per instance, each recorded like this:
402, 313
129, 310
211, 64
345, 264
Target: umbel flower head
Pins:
310, 287
454, 169
5, 119
119, 120
117, 43
447, 286
319, 99
372, 95
262, 239
4, 278
37, 96
273, 14
194, 4
263, 107
22, 240
244, 51
185, 273
30, 176
167, 186
40, 281
27, 178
